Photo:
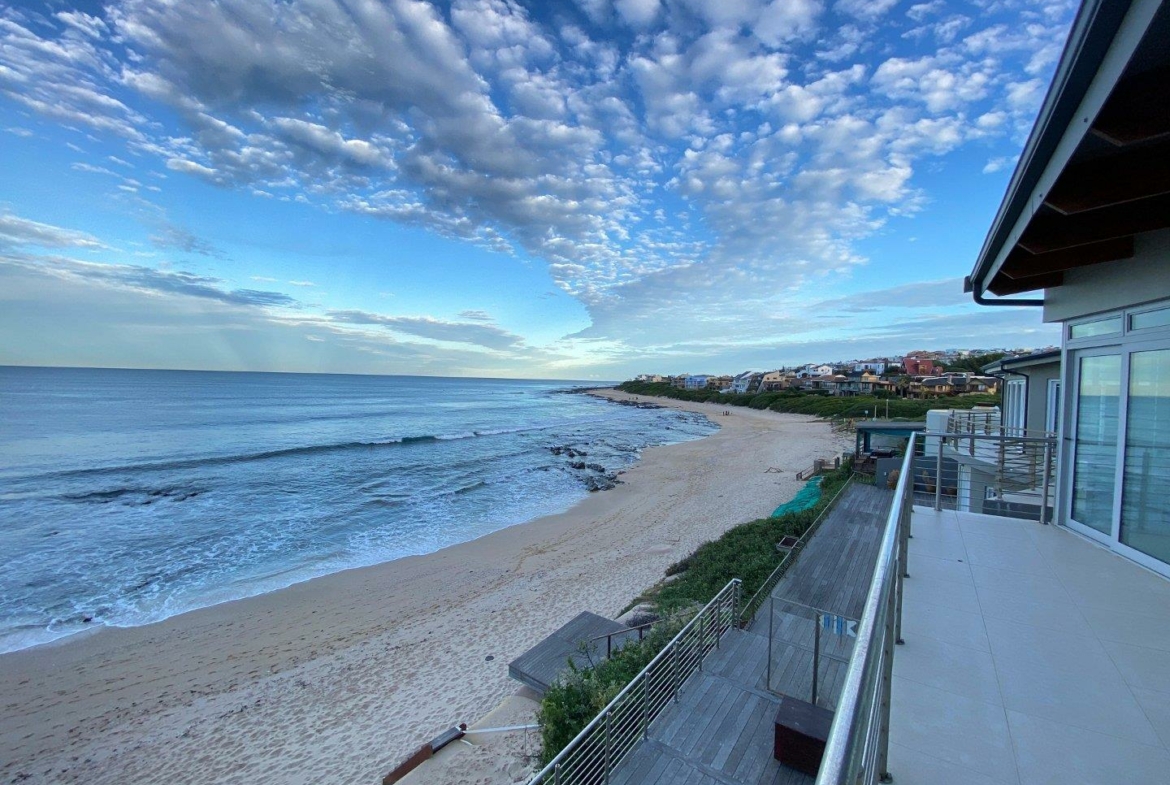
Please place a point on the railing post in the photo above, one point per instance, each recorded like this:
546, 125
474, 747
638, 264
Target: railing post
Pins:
556, 774
1044, 489
771, 617
645, 707
902, 572
674, 670
938, 479
607, 746
816, 654
702, 641
883, 750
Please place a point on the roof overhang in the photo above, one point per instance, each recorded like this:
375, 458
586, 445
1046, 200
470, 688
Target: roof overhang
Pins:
1009, 364
1095, 170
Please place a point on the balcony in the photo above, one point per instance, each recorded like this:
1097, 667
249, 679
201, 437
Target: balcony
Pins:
1031, 655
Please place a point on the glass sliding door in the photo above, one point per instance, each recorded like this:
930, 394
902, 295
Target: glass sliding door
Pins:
1098, 405
1145, 499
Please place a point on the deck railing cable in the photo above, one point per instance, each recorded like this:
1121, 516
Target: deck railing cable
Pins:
614, 733
858, 743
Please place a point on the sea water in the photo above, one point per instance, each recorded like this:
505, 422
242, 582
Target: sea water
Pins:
129, 496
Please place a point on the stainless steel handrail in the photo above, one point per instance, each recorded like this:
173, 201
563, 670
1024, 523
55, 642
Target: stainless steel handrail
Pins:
1018, 470
858, 744
613, 734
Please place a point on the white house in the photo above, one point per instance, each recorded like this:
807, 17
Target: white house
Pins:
1084, 228
695, 382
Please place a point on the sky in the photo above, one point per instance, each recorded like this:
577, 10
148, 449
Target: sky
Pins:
582, 189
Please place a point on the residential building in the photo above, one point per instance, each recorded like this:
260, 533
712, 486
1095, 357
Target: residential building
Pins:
773, 381
1031, 390
917, 365
874, 366
695, 381
1085, 229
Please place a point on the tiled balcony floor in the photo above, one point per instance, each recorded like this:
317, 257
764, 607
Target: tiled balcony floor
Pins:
1031, 656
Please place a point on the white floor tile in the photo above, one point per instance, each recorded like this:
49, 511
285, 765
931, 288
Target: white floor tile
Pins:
1049, 608
1141, 666
1015, 555
1066, 678
1001, 528
959, 669
946, 624
939, 548
910, 767
1125, 626
943, 569
1157, 708
1022, 583
1052, 752
961, 731
949, 594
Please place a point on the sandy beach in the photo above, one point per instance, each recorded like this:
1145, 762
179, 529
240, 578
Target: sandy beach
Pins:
337, 679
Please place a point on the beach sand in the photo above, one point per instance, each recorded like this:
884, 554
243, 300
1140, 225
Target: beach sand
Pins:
337, 679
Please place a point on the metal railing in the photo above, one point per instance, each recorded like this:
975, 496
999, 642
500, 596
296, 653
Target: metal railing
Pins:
988, 470
748, 613
856, 751
614, 733
625, 635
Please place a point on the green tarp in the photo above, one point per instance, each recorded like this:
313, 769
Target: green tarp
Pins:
806, 497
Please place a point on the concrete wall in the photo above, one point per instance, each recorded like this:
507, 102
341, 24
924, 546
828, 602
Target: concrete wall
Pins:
1106, 287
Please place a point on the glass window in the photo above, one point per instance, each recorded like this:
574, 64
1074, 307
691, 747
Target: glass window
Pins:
1095, 446
1099, 327
1145, 499
1014, 401
1150, 319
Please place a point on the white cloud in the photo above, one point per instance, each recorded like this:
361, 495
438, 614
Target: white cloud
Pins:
665, 160
16, 232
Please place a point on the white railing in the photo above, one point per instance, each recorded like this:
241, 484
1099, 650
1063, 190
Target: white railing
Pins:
614, 733
856, 751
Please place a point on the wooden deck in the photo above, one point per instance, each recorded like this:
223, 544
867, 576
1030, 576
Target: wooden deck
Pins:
720, 731
540, 666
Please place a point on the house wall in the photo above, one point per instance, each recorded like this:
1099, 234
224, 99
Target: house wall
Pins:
1112, 285
1036, 403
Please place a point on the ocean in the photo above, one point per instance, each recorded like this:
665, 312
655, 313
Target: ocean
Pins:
130, 496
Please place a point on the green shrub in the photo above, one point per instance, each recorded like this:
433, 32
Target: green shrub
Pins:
817, 403
580, 694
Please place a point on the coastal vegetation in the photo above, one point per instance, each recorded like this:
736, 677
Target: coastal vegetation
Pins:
747, 552
815, 403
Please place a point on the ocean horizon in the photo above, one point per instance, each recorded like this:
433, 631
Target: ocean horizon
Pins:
129, 496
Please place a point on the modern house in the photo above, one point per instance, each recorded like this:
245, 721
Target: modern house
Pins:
1085, 227
1031, 390
746, 382
695, 382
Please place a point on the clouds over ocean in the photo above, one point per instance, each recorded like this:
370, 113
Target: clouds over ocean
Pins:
685, 171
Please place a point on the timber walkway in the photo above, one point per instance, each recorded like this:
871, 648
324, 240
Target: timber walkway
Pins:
720, 731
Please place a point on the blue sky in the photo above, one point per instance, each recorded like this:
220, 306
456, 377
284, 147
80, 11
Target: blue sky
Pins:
584, 189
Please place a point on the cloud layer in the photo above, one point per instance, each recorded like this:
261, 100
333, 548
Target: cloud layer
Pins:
680, 166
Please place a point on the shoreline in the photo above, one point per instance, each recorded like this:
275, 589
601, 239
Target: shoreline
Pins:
339, 676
